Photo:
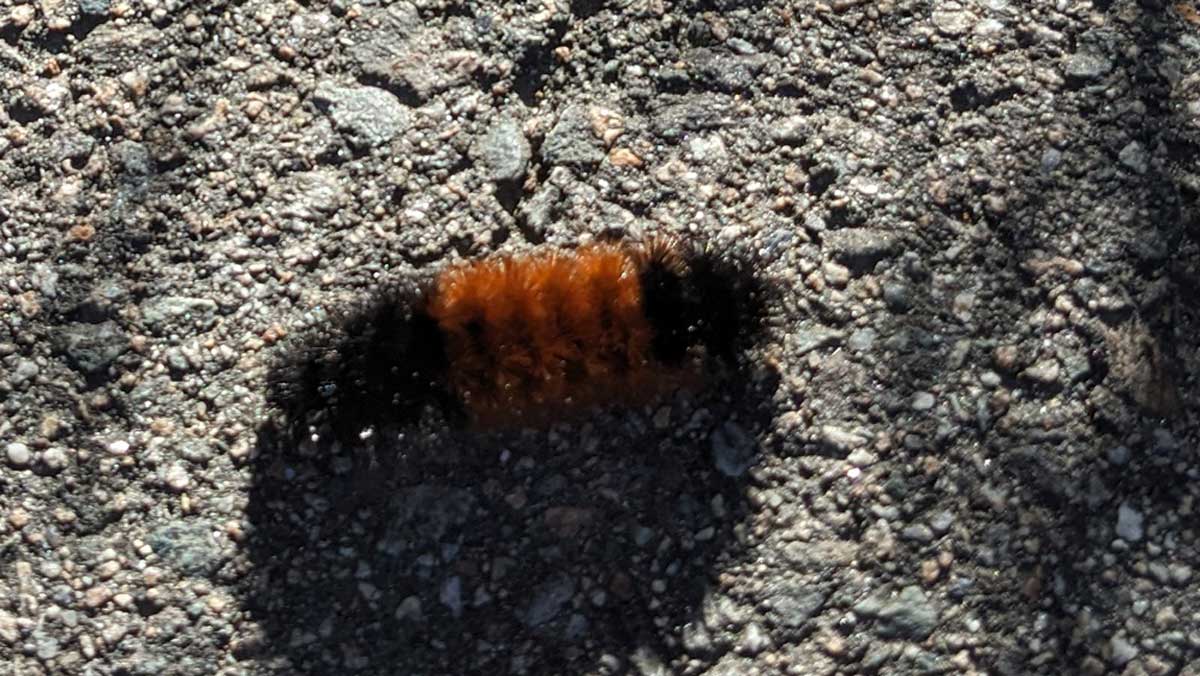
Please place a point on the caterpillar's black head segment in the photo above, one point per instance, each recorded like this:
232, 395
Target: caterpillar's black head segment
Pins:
381, 366
699, 298
732, 302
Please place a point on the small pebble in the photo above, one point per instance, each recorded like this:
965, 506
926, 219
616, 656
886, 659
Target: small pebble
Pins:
451, 595
18, 518
1118, 455
922, 401
1091, 666
55, 459
897, 296
96, 596
862, 458
1122, 651
1045, 372
918, 532
941, 522
754, 640
1006, 357
18, 455
1181, 573
1129, 523
930, 571
861, 340
177, 478
836, 275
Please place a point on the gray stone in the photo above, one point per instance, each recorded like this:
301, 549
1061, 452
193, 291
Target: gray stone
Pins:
808, 339
188, 547
134, 159
409, 609
897, 296
55, 459
815, 222
642, 535
366, 116
886, 512
754, 640
841, 440
923, 401
400, 52
549, 599
1164, 441
1051, 158
693, 113
733, 450
577, 626
1122, 651
941, 522
862, 340
571, 141
721, 70
73, 146
112, 49
195, 450
1077, 366
176, 477
1118, 455
792, 131
878, 655
46, 647
952, 23
1045, 372
23, 372
165, 312
793, 605
94, 8
708, 149
1135, 157
177, 360
918, 532
1083, 67
1129, 523
861, 247
504, 151
910, 615
862, 458
311, 196
540, 210
92, 348
451, 595
743, 47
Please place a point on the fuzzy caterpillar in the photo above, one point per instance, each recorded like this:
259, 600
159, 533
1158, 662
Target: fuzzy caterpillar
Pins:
514, 340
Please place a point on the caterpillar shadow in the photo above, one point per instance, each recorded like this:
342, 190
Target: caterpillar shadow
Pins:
431, 549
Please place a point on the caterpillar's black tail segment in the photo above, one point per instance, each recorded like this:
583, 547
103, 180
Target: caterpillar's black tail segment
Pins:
698, 297
381, 364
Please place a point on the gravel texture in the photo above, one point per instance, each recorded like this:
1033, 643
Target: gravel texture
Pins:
969, 445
